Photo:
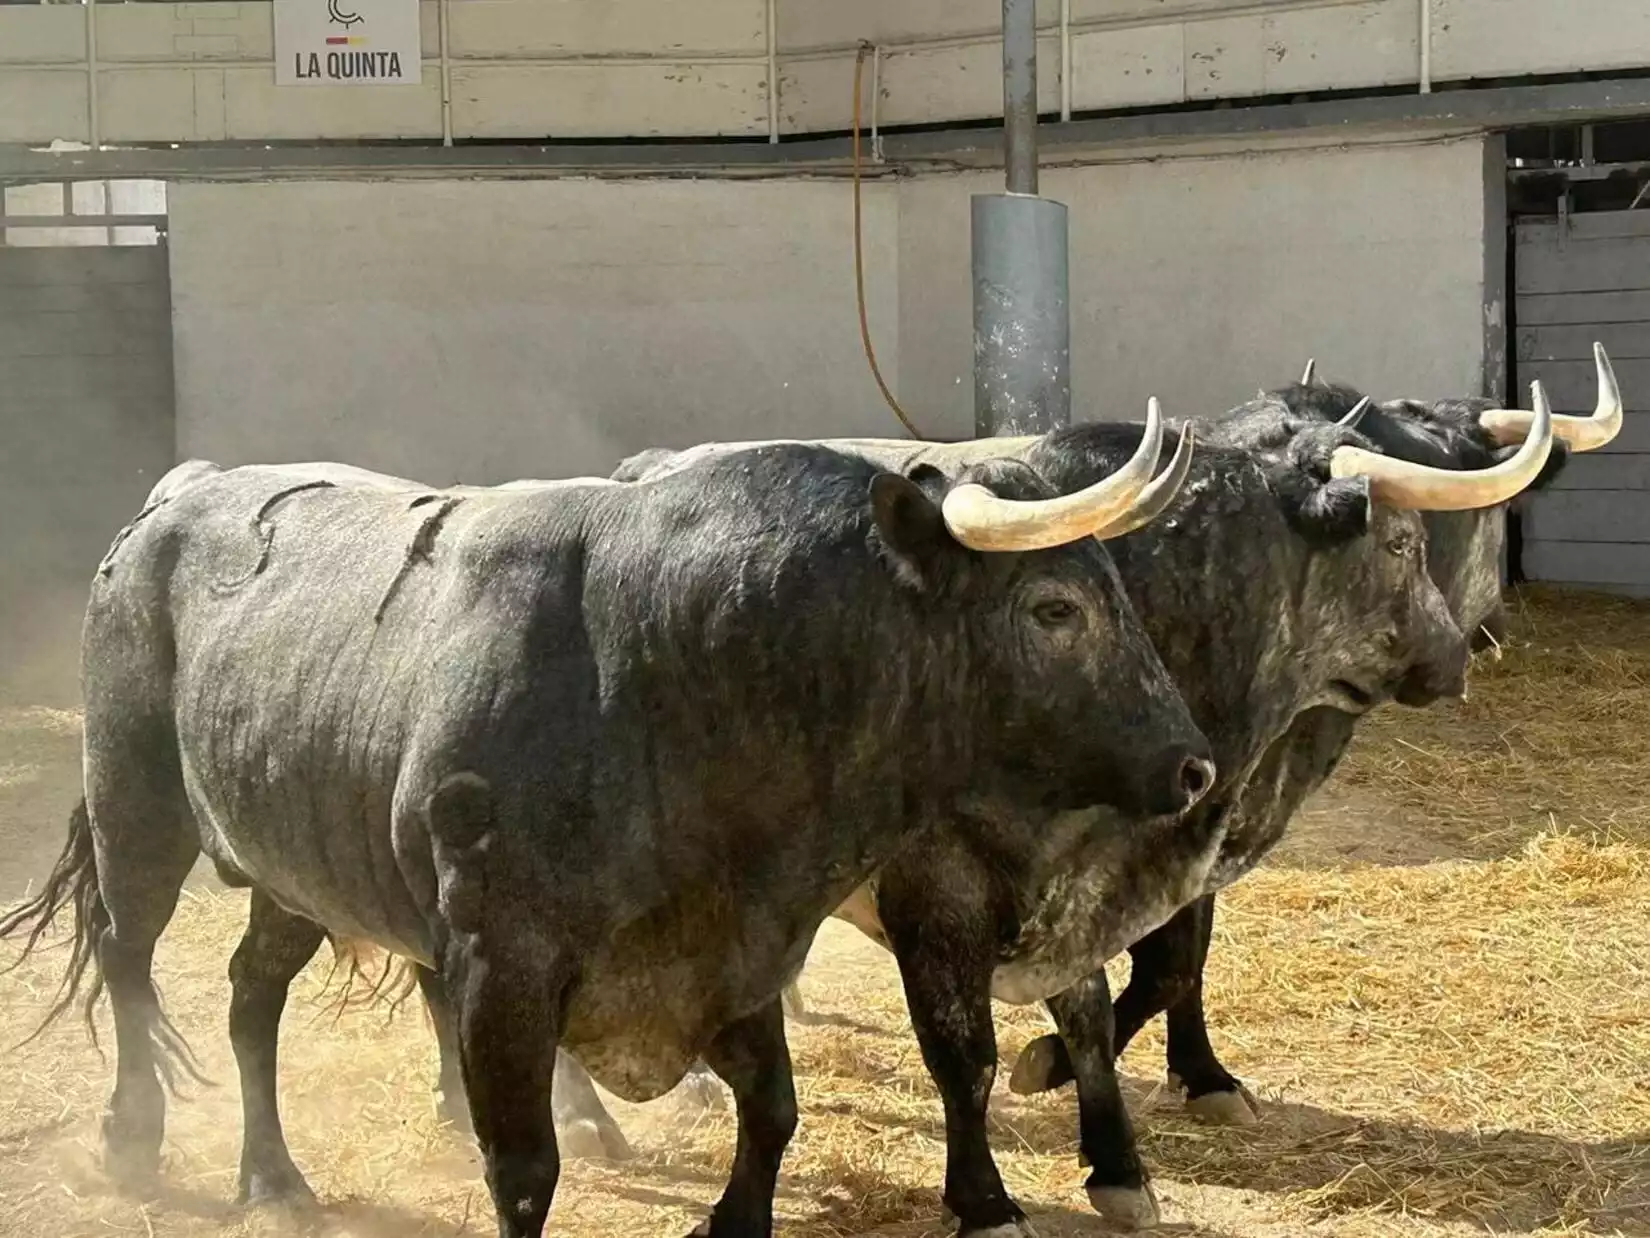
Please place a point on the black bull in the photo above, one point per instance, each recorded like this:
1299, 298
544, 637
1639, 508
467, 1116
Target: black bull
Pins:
602, 756
1274, 591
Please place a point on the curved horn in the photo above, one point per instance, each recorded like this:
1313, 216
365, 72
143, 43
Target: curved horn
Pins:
1154, 500
981, 521
1351, 420
1511, 425
1309, 372
1423, 488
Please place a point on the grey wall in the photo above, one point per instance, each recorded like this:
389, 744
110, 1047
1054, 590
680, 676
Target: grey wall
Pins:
1584, 280
484, 331
86, 422
1199, 279
490, 330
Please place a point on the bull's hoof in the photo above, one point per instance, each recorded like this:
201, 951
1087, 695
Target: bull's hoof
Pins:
1225, 1108
1018, 1228
1013, 1229
130, 1159
586, 1140
1041, 1067
1126, 1208
702, 1091
274, 1185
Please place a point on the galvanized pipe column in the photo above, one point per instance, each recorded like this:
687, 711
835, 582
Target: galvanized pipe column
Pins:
1022, 319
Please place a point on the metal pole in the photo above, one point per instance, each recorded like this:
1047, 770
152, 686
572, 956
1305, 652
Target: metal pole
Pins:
94, 131
1022, 316
1065, 60
773, 71
1020, 94
1425, 34
444, 31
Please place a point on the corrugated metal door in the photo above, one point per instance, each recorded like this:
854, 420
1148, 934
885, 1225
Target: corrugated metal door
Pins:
1582, 279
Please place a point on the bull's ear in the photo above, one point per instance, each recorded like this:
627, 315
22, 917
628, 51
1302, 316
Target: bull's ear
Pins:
1557, 458
1338, 510
908, 519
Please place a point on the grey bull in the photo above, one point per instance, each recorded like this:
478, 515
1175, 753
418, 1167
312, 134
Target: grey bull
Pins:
600, 756
1464, 559
1282, 579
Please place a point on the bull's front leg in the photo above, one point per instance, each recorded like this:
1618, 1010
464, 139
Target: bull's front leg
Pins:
946, 958
509, 986
583, 1125
752, 1058
1118, 1185
1167, 974
508, 1006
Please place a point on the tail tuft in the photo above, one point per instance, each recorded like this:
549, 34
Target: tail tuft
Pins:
73, 879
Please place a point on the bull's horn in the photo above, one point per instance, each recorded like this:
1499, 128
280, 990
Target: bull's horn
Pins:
1154, 500
1420, 487
982, 521
1511, 425
1309, 372
1355, 416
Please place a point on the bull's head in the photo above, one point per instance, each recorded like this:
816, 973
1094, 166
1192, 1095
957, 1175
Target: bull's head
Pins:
1465, 536
1073, 683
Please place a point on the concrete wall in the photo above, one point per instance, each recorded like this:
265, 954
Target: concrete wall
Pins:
86, 408
483, 331
1199, 279
536, 69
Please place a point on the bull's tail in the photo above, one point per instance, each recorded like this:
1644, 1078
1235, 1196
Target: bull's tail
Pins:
73, 879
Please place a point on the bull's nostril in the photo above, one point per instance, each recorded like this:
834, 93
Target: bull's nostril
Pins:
1196, 777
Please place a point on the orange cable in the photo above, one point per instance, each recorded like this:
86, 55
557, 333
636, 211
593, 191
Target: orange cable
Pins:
859, 258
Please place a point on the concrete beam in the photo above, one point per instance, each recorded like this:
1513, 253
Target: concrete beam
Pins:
1341, 119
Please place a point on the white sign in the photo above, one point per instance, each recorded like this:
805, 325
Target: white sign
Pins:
347, 43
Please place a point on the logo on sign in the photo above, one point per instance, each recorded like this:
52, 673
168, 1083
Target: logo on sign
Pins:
347, 42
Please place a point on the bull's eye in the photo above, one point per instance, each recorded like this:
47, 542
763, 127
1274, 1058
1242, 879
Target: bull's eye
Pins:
1401, 547
1055, 613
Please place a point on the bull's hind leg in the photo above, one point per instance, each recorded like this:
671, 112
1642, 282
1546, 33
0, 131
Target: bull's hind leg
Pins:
583, 1124
450, 1103
1168, 974
751, 1056
145, 844
274, 949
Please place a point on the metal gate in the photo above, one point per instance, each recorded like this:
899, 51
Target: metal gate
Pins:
1582, 278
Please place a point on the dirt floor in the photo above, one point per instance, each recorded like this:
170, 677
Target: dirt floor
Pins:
1439, 987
